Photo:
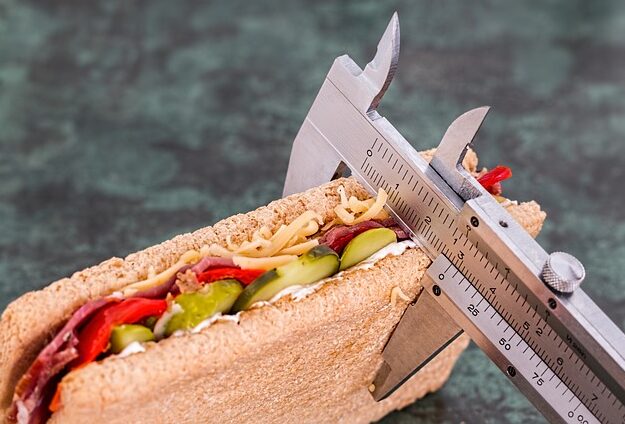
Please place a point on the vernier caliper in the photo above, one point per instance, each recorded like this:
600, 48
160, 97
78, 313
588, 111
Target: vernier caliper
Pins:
489, 278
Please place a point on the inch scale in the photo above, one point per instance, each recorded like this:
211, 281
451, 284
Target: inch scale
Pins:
488, 278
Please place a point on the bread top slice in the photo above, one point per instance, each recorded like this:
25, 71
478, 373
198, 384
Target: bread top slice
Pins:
23, 332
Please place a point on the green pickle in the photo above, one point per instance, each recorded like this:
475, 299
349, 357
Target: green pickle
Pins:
150, 322
123, 335
211, 299
318, 263
366, 244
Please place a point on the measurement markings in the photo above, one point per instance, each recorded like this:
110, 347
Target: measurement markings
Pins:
430, 235
377, 179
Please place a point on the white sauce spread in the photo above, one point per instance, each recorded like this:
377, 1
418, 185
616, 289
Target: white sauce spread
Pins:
298, 293
134, 347
161, 324
218, 317
23, 416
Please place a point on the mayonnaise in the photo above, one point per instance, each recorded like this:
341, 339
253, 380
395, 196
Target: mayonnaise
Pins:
161, 324
218, 317
298, 292
132, 348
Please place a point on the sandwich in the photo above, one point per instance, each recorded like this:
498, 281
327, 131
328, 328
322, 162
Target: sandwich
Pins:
275, 315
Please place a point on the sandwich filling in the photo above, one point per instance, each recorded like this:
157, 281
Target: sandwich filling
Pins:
216, 282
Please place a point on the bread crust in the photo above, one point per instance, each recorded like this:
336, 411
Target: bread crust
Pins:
348, 347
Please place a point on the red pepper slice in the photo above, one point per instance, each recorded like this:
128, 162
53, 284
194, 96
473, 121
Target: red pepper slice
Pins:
94, 337
245, 276
490, 181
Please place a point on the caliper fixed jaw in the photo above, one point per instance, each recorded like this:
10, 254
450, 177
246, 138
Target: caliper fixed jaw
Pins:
365, 88
314, 160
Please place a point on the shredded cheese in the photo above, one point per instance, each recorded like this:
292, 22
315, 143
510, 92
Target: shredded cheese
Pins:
300, 248
397, 292
263, 263
266, 250
187, 258
353, 211
329, 225
288, 240
161, 325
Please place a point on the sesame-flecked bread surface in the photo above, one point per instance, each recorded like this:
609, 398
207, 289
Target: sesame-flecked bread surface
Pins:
310, 360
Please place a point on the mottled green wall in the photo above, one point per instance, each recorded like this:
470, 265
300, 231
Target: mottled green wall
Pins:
123, 123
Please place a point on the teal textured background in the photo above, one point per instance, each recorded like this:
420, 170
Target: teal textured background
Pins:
123, 123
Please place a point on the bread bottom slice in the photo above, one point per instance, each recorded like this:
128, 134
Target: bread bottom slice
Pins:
296, 361
306, 361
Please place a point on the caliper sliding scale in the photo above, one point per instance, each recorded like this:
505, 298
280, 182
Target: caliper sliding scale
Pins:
488, 277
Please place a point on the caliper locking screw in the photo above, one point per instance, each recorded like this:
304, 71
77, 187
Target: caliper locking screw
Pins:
563, 272
474, 221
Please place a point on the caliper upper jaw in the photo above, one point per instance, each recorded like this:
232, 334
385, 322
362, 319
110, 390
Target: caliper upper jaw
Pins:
365, 89
447, 160
314, 160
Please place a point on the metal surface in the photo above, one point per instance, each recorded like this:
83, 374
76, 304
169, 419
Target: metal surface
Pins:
314, 159
563, 272
447, 160
424, 330
445, 209
517, 358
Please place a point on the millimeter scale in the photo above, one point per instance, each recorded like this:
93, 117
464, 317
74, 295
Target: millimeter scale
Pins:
488, 277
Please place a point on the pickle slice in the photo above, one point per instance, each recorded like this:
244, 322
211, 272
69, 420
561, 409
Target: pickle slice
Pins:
123, 335
198, 306
366, 244
319, 262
